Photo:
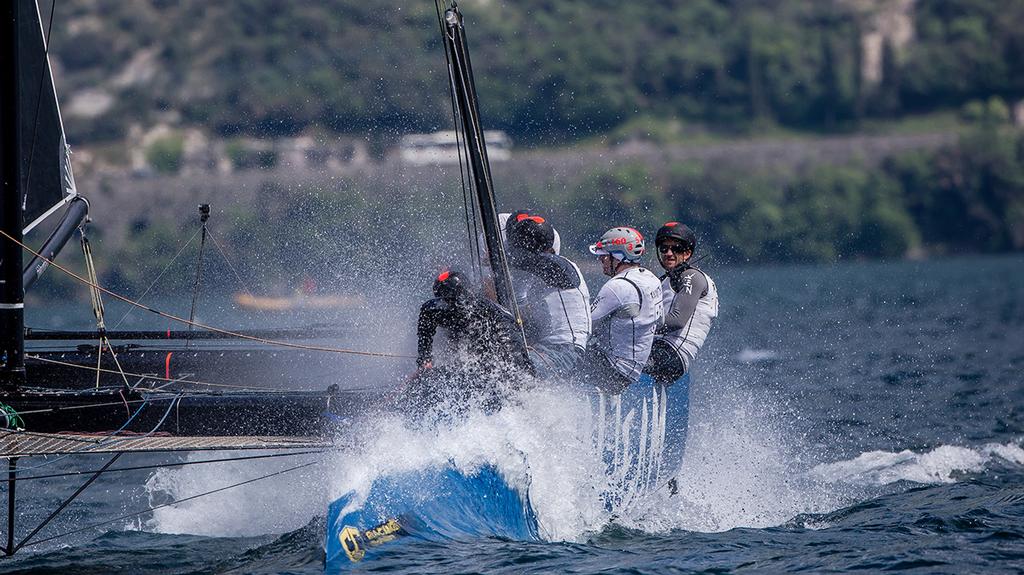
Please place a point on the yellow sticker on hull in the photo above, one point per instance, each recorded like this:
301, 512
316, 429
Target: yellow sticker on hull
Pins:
349, 538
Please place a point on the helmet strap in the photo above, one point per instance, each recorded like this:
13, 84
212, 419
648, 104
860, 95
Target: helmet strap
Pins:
619, 263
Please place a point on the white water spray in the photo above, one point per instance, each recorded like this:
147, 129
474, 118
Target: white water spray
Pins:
743, 468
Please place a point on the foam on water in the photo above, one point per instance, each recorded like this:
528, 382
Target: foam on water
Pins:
537, 445
274, 505
940, 465
743, 468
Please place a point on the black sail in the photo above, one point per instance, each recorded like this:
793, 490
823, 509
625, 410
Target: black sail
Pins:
46, 178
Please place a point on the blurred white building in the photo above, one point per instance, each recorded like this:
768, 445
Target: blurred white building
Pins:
443, 147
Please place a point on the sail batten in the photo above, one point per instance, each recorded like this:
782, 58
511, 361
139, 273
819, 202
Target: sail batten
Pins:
47, 180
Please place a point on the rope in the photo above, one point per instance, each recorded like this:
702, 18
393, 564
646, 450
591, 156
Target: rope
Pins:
168, 504
11, 418
73, 407
202, 325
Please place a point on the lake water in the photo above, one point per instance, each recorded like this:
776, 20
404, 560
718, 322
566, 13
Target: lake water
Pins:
862, 416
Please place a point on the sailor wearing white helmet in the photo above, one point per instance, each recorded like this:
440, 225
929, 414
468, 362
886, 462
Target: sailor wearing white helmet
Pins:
625, 313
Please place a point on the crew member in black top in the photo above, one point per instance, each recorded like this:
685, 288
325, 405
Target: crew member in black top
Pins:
487, 357
691, 304
483, 332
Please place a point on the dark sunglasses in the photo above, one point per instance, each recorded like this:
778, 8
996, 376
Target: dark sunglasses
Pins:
665, 248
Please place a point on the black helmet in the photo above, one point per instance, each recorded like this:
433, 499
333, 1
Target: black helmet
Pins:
676, 231
451, 285
512, 219
530, 233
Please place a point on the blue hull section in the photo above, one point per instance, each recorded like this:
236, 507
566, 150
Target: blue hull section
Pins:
431, 505
676, 419
641, 435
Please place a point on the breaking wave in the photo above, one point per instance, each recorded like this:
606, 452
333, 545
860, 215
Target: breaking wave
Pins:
742, 469
943, 464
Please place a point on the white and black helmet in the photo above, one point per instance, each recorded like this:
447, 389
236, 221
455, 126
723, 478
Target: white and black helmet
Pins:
625, 244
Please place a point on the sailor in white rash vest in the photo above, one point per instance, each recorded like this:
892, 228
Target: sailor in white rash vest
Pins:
552, 296
625, 313
691, 303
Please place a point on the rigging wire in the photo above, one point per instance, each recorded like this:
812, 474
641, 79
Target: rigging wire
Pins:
63, 505
468, 205
168, 504
178, 464
204, 215
155, 281
98, 311
203, 326
238, 277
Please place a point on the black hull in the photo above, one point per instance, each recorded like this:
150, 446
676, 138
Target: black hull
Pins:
198, 368
194, 391
227, 413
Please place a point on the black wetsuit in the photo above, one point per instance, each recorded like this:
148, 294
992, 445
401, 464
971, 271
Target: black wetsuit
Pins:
488, 357
484, 329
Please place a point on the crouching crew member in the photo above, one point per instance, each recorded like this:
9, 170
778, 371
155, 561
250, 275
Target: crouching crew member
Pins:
483, 332
552, 296
625, 313
690, 300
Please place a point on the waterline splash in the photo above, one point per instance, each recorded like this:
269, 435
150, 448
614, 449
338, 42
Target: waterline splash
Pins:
940, 465
743, 468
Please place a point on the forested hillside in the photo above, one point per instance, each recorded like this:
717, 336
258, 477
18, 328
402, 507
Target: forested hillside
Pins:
548, 71
580, 82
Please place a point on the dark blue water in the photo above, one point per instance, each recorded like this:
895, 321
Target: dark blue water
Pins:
864, 416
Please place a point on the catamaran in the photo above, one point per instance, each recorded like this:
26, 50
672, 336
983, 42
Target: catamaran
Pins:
117, 393
636, 437
107, 393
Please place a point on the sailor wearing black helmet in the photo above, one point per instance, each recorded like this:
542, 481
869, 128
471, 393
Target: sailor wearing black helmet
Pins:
482, 330
691, 303
625, 313
552, 296
506, 220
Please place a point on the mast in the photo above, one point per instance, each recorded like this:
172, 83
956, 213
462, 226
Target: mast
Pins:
469, 115
12, 293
